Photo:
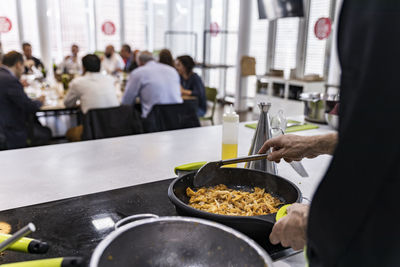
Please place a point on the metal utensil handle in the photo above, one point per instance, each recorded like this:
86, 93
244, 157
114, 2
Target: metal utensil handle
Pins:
134, 218
244, 159
26, 230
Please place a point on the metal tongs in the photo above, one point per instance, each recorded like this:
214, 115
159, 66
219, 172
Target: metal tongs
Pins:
209, 170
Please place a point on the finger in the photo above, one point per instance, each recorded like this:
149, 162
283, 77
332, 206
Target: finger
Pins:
297, 244
276, 155
288, 160
274, 142
274, 237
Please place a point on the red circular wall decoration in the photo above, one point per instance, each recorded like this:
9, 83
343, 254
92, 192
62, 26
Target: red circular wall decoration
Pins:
108, 28
323, 28
5, 25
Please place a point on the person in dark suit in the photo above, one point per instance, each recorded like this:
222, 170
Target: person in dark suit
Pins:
351, 220
30, 60
129, 58
15, 105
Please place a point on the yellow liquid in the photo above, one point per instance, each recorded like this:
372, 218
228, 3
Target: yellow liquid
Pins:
229, 151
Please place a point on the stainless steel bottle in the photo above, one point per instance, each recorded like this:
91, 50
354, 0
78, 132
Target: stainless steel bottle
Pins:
262, 134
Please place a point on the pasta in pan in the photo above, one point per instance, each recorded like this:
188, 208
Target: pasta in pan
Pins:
222, 200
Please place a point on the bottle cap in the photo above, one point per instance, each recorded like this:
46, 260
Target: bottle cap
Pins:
230, 115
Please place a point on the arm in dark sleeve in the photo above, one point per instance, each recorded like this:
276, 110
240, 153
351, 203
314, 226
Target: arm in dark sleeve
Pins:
17, 95
365, 168
197, 87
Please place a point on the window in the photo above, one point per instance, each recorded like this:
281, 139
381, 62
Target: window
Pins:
258, 41
160, 17
286, 43
315, 52
181, 21
135, 23
258, 48
74, 28
30, 25
108, 10
232, 45
10, 40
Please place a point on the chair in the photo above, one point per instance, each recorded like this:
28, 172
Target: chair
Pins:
171, 117
211, 96
111, 122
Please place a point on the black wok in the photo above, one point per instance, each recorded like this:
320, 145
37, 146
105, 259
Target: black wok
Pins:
243, 179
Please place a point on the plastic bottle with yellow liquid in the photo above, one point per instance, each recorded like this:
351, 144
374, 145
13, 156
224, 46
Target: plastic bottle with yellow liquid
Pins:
230, 133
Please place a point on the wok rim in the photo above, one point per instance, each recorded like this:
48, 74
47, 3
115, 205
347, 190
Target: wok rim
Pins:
180, 204
102, 246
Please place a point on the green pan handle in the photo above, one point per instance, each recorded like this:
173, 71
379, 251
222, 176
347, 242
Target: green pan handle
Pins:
27, 245
190, 166
55, 262
282, 212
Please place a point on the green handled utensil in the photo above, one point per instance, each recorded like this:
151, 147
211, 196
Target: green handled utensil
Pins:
54, 262
27, 245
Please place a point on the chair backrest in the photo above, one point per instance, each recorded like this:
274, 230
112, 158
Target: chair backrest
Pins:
171, 117
111, 122
211, 95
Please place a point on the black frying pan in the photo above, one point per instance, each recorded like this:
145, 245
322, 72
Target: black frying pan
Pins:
243, 179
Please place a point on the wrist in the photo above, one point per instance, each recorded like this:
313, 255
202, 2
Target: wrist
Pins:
325, 144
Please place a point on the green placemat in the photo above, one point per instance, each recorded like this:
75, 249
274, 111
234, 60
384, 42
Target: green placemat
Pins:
296, 128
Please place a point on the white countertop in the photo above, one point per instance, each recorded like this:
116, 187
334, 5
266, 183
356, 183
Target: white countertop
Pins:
41, 174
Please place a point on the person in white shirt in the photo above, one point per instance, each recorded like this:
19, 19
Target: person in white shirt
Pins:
154, 83
71, 64
93, 89
112, 62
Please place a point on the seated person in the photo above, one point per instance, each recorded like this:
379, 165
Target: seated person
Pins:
72, 64
32, 64
129, 58
112, 62
165, 57
191, 83
93, 89
154, 83
15, 105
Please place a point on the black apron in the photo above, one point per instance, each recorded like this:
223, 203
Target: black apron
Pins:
352, 216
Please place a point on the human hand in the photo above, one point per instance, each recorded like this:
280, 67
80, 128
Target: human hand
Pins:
291, 230
41, 99
289, 147
29, 63
24, 83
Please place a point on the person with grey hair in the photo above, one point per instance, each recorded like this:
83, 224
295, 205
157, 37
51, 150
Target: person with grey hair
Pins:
153, 82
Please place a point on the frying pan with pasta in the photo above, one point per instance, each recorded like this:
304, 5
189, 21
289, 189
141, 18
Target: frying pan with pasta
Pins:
239, 179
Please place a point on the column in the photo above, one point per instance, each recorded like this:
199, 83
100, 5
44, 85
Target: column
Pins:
20, 23
332, 66
243, 50
122, 21
44, 37
90, 24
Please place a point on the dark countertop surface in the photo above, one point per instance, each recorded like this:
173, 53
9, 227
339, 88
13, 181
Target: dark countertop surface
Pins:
73, 227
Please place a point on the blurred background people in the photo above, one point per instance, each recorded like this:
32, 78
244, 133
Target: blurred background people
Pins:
32, 64
154, 83
93, 89
165, 57
112, 62
72, 63
128, 57
15, 105
191, 83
